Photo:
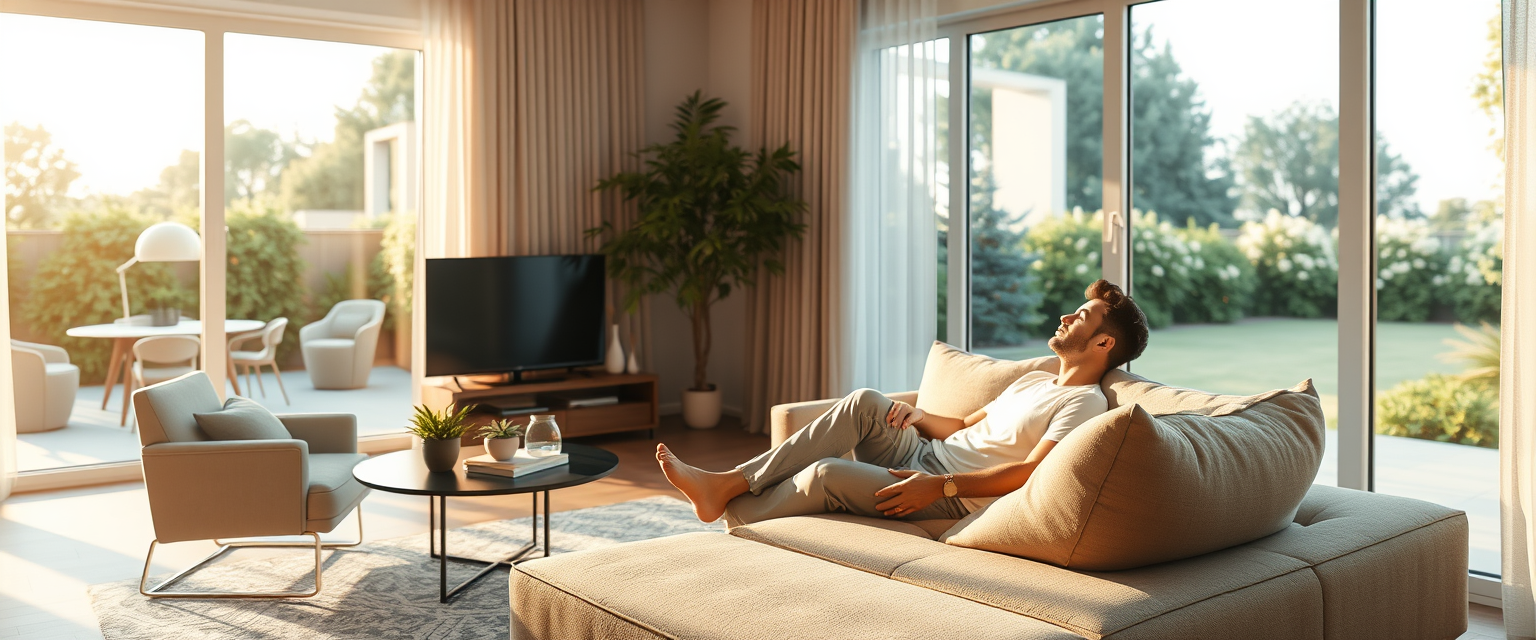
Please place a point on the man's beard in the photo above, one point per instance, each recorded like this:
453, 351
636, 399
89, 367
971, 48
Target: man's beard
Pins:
1064, 344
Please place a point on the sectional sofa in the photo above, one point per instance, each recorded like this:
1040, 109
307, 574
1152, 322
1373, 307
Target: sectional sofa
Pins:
1340, 565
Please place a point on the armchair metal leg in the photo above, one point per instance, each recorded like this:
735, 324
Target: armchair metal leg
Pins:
158, 591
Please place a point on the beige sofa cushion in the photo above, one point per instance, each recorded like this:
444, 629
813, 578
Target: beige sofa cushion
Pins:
1129, 489
956, 383
1122, 388
1094, 605
710, 585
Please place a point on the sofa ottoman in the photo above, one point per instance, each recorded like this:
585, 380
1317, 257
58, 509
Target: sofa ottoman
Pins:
712, 585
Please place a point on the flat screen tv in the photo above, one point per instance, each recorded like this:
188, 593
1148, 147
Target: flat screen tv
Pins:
514, 314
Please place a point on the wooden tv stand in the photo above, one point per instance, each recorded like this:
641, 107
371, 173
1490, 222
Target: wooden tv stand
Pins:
637, 408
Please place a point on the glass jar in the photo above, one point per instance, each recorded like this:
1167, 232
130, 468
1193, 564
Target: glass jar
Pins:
543, 436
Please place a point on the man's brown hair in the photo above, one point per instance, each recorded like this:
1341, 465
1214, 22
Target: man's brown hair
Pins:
1123, 321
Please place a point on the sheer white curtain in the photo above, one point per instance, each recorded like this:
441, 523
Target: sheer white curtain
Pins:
1517, 366
890, 310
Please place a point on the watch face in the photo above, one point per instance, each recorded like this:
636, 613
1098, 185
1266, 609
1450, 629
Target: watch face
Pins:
949, 489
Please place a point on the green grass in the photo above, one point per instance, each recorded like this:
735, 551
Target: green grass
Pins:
1256, 355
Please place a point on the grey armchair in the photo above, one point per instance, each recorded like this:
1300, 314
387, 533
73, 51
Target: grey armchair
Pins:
202, 489
338, 349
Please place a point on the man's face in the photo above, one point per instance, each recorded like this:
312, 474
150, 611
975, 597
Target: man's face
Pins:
1078, 328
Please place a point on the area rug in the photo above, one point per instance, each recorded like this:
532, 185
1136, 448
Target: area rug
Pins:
384, 589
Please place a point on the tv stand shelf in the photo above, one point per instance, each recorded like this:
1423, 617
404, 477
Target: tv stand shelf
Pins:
637, 408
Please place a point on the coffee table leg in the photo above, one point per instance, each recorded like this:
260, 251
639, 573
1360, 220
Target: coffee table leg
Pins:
437, 543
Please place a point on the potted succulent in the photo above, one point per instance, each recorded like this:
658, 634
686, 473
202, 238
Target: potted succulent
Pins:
440, 432
710, 215
502, 438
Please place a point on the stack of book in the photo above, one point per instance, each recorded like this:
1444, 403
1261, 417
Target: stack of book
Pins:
520, 465
517, 405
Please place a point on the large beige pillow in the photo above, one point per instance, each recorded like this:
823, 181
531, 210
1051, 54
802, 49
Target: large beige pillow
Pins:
957, 383
1129, 489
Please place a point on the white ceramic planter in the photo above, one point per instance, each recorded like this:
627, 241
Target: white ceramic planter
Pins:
503, 448
701, 409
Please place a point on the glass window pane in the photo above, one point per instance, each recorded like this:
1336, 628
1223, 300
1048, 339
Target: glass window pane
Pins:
1234, 191
1439, 260
96, 151
321, 148
1036, 166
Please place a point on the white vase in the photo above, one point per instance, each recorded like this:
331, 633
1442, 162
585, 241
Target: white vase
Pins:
701, 409
634, 365
503, 448
615, 360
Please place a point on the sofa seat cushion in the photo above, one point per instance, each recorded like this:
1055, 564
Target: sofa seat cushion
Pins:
709, 585
330, 344
332, 489
1094, 605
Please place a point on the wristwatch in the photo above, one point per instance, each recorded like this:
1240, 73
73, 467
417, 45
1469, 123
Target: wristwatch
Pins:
949, 485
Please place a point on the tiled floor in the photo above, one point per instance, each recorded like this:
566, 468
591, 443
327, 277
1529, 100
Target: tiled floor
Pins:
94, 435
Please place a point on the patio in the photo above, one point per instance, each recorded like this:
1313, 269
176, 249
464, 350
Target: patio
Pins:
93, 435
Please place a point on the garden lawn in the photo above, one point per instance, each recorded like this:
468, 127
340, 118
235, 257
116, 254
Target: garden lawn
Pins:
1259, 354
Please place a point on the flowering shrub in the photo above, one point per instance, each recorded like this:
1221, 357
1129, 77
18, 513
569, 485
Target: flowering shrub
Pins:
1294, 261
1067, 252
1475, 275
1410, 270
1162, 268
1221, 280
1441, 408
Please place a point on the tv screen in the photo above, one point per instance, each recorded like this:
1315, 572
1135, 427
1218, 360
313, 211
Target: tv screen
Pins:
516, 313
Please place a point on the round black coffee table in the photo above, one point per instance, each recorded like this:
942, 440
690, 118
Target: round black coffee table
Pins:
404, 472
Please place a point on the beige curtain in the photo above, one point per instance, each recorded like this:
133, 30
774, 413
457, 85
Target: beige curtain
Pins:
802, 62
1517, 365
528, 104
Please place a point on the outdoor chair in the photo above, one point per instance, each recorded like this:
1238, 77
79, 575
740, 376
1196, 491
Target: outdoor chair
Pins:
45, 384
161, 358
203, 489
338, 349
271, 336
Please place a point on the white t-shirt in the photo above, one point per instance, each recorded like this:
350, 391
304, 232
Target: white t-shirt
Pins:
1032, 409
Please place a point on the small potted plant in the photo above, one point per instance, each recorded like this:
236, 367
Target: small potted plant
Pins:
440, 432
502, 438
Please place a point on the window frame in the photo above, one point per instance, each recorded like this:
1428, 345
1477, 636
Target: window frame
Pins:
216, 19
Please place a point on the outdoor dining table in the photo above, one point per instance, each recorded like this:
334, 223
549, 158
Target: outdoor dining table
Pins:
123, 335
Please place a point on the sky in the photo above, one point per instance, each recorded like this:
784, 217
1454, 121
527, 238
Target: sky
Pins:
123, 101
1426, 57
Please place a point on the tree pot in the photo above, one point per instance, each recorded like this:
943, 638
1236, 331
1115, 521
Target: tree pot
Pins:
701, 409
503, 449
440, 455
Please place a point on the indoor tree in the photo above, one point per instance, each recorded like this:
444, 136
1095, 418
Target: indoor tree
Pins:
709, 214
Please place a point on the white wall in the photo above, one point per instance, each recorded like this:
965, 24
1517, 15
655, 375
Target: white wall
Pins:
698, 45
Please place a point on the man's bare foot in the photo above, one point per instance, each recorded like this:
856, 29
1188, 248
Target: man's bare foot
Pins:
709, 491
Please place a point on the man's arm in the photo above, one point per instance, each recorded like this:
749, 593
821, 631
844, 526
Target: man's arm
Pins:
918, 490
903, 415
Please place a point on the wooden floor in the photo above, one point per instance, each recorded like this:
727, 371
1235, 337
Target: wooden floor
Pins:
55, 544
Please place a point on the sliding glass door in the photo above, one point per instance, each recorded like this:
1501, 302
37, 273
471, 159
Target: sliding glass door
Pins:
1230, 118
1234, 193
1035, 179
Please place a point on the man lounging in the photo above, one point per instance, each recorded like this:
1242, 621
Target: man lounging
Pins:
943, 467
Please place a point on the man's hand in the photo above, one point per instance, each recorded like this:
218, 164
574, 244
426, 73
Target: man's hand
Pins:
916, 491
903, 415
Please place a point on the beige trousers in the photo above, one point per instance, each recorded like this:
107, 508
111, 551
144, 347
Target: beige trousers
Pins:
805, 474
